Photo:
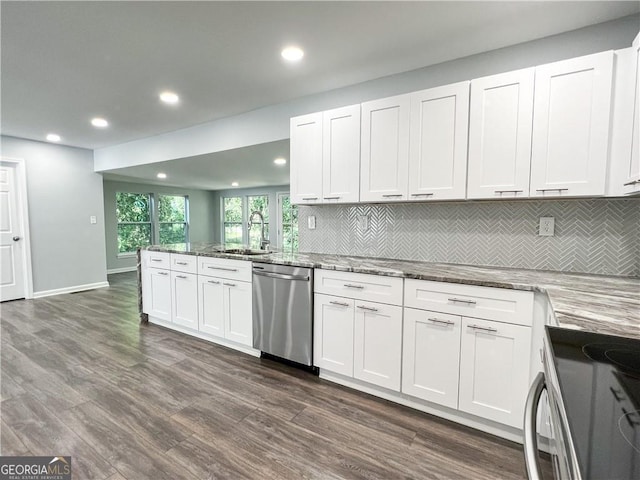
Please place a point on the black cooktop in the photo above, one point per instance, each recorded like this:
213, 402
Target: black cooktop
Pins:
599, 378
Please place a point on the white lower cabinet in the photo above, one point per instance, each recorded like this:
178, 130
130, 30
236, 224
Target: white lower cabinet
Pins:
184, 299
431, 356
156, 293
333, 334
211, 306
494, 370
377, 344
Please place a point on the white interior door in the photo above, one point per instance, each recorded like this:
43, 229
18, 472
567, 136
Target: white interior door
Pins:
12, 285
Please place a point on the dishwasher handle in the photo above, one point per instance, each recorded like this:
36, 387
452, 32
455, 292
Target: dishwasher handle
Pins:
282, 276
530, 435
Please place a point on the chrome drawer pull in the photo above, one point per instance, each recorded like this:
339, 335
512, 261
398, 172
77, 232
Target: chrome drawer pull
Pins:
181, 276
389, 195
508, 191
229, 284
370, 309
341, 304
633, 182
460, 300
441, 322
421, 194
182, 263
163, 273
222, 268
551, 189
309, 198
332, 198
213, 282
484, 329
156, 259
351, 285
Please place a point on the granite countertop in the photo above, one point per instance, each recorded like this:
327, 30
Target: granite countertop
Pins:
604, 304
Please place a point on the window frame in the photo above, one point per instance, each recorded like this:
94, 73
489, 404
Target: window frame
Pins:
280, 224
244, 199
152, 236
186, 222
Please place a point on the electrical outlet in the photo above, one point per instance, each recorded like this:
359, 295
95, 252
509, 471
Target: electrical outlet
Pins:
546, 227
363, 222
311, 222
93, 220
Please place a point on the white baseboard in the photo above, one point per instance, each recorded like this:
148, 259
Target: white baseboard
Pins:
76, 288
122, 270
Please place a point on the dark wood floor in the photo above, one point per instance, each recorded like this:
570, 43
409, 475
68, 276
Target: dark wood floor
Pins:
81, 377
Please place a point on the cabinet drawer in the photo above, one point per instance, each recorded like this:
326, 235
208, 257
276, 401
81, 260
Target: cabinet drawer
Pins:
373, 288
503, 305
184, 263
156, 259
225, 268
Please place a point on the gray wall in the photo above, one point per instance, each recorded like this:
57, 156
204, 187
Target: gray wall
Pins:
63, 191
272, 123
599, 236
272, 192
201, 216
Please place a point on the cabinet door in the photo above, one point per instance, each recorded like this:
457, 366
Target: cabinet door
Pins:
156, 293
494, 370
570, 144
632, 182
306, 158
333, 334
385, 149
341, 155
377, 344
210, 306
431, 356
185, 299
438, 143
500, 122
238, 312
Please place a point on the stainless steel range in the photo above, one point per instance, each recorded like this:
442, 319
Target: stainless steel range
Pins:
593, 386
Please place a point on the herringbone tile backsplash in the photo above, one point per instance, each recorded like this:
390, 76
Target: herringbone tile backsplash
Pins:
591, 236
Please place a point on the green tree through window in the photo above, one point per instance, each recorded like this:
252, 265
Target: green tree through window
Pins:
172, 219
232, 219
289, 222
259, 203
133, 214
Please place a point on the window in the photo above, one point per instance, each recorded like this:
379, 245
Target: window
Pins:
172, 219
288, 216
232, 219
259, 203
133, 213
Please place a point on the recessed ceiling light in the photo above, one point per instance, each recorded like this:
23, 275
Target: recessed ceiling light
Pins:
52, 137
169, 97
161, 175
234, 184
99, 122
280, 161
292, 54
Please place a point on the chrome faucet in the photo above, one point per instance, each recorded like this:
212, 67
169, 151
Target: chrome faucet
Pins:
264, 243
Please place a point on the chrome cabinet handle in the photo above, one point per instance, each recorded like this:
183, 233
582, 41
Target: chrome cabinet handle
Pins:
508, 191
421, 194
461, 300
484, 329
223, 268
213, 282
340, 304
390, 195
530, 436
181, 263
156, 259
229, 284
351, 285
309, 198
441, 322
332, 198
633, 182
181, 276
369, 309
163, 273
551, 189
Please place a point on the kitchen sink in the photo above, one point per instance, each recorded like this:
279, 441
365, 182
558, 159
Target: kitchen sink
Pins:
246, 251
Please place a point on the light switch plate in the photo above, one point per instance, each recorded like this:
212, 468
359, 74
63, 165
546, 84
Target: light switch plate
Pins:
93, 220
546, 227
311, 222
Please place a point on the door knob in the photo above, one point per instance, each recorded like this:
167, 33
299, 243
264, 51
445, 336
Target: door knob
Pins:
16, 238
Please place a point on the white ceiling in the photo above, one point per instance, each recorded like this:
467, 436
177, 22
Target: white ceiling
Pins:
66, 62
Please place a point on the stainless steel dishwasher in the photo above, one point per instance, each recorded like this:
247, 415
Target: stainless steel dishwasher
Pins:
283, 312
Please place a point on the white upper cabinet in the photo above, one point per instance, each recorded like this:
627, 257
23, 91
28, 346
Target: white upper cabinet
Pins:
572, 106
438, 143
500, 122
385, 149
341, 155
306, 158
632, 182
